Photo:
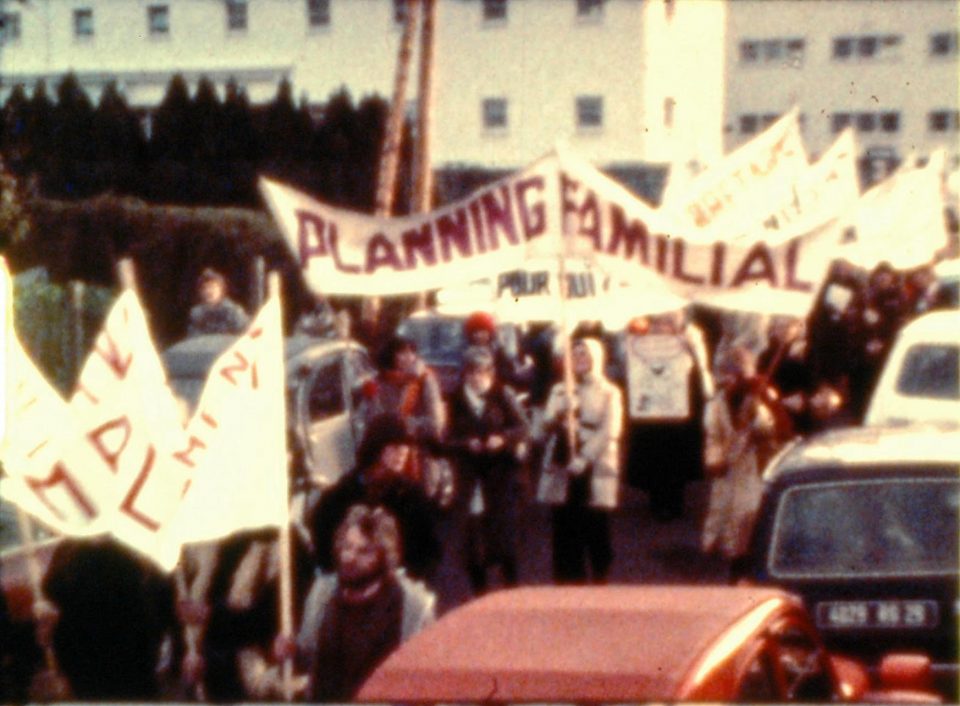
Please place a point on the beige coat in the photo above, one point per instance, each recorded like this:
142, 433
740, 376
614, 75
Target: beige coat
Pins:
599, 405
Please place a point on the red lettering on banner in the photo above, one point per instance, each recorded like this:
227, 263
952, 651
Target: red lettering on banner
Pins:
310, 236
719, 259
184, 456
589, 217
242, 365
127, 506
476, 217
96, 438
457, 233
22, 409
790, 278
255, 333
112, 356
632, 234
419, 242
335, 250
757, 265
661, 243
533, 217
208, 420
679, 252
93, 399
499, 216
382, 253
59, 475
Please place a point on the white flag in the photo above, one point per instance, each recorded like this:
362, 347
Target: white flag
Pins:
133, 425
236, 440
48, 469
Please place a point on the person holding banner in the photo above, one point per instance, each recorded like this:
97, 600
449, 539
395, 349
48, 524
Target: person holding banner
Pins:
215, 312
582, 484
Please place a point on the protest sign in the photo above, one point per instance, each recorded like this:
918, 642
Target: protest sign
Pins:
658, 377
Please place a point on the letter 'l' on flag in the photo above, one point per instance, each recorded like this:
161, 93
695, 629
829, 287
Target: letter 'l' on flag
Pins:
47, 472
236, 440
132, 424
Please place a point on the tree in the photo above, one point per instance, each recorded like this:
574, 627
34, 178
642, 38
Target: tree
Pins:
117, 135
239, 134
172, 137
14, 217
206, 123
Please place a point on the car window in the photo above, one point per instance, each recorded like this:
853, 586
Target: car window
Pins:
325, 396
438, 340
931, 370
888, 527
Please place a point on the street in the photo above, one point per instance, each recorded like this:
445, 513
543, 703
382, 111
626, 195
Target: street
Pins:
645, 551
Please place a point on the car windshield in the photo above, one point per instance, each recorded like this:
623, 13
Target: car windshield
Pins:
438, 340
886, 527
931, 370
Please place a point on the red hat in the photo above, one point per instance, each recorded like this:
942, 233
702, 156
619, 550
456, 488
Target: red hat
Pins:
479, 321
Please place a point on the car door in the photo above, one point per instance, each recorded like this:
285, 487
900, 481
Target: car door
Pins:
326, 419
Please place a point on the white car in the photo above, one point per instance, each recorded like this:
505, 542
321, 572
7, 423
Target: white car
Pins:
921, 379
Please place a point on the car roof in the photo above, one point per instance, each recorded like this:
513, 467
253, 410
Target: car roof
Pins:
613, 643
192, 357
874, 446
936, 326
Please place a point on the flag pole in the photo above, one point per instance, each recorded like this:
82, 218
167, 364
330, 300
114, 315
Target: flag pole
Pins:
34, 571
285, 545
568, 381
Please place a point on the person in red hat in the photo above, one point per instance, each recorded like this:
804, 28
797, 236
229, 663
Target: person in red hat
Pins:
480, 330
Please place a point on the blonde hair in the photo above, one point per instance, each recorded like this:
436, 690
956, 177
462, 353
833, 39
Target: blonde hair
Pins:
377, 525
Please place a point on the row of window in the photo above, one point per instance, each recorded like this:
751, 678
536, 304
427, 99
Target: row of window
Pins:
317, 15
864, 122
588, 113
790, 50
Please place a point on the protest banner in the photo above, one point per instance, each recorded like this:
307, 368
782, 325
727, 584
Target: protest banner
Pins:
724, 192
658, 373
344, 252
901, 219
235, 443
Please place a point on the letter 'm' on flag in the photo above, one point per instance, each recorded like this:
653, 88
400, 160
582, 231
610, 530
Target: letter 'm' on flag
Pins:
236, 441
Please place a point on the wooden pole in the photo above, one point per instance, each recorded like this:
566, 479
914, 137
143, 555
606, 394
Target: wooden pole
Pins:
422, 156
568, 381
285, 548
76, 320
34, 572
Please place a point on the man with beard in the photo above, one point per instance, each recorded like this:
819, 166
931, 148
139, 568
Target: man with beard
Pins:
354, 619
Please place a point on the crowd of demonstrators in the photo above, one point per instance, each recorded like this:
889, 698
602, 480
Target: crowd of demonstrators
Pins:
680, 405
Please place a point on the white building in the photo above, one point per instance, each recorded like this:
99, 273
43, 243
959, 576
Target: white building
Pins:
620, 81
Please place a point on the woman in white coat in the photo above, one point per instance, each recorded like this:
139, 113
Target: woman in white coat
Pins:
582, 484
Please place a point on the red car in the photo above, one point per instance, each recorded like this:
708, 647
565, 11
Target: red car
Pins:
626, 644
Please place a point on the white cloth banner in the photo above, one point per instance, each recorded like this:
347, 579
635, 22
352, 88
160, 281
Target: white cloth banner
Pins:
344, 252
901, 219
130, 418
658, 377
722, 194
236, 441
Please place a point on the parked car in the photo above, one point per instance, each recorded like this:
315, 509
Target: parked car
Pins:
863, 524
324, 379
626, 644
948, 275
921, 378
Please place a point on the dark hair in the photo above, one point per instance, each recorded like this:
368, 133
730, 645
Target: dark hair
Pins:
387, 357
377, 525
210, 275
381, 431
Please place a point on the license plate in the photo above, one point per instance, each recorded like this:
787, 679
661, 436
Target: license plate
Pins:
877, 614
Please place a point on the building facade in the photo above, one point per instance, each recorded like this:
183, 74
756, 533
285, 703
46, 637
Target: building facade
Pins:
619, 81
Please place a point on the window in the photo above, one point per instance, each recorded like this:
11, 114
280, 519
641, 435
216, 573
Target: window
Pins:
590, 111
158, 19
932, 371
890, 122
589, 9
400, 11
669, 104
749, 52
83, 22
867, 46
318, 13
236, 15
325, 399
795, 50
495, 113
768, 119
840, 121
944, 120
748, 124
10, 26
866, 122
842, 47
943, 44
772, 50
494, 10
